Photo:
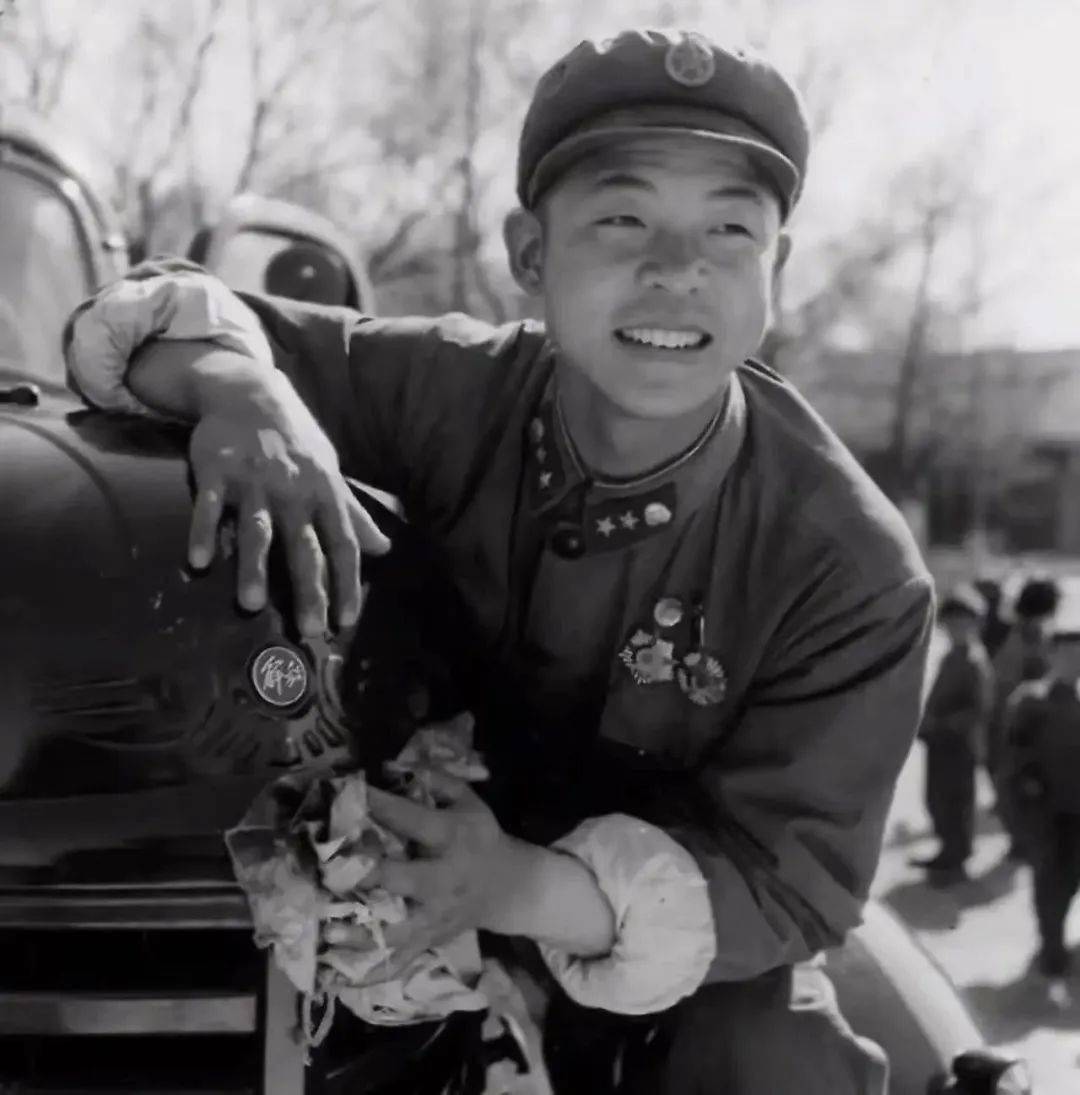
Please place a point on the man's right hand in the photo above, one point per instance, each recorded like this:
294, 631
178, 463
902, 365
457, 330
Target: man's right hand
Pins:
257, 449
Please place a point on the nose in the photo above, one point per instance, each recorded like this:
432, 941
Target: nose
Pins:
673, 264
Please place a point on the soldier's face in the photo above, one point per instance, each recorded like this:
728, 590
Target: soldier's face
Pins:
656, 263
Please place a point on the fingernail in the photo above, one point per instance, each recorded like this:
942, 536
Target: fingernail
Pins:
199, 558
335, 934
311, 624
251, 598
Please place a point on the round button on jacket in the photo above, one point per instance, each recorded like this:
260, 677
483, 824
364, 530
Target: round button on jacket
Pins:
568, 542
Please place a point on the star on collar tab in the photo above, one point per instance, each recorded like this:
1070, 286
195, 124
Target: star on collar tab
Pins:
544, 468
612, 523
607, 523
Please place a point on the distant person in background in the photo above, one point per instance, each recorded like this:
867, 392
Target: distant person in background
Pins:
995, 628
1025, 655
1041, 760
953, 729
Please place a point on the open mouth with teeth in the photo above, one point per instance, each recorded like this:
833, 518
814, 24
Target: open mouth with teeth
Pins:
662, 338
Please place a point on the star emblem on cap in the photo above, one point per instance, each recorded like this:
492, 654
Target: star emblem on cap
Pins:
690, 61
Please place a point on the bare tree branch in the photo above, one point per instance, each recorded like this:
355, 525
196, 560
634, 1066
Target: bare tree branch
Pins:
465, 237
266, 99
61, 64
495, 304
182, 120
255, 66
380, 258
43, 58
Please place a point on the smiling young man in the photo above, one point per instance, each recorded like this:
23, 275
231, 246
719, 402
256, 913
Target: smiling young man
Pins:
655, 257
700, 629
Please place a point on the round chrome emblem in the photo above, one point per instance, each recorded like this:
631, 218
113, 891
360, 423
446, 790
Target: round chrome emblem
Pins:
279, 676
690, 61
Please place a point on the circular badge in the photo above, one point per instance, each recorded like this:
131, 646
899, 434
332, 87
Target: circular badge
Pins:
279, 676
649, 659
702, 678
668, 611
656, 513
690, 61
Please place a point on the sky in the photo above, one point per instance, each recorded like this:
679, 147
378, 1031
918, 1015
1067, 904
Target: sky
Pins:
994, 87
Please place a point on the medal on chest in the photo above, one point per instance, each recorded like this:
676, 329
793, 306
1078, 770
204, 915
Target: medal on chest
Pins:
674, 650
700, 674
649, 658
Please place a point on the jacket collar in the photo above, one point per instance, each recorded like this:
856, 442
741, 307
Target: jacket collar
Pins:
602, 514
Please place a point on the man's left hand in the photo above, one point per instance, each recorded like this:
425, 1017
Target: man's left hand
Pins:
464, 860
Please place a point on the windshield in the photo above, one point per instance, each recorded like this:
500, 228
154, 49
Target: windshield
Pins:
43, 275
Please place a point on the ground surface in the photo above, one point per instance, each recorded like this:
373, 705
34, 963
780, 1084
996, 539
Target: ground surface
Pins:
982, 932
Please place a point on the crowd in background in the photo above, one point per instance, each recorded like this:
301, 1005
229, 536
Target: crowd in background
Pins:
1006, 695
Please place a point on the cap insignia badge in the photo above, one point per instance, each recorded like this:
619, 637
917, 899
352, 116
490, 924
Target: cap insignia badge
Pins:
690, 61
279, 676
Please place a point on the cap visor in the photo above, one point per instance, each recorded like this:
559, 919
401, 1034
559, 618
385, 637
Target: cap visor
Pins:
779, 170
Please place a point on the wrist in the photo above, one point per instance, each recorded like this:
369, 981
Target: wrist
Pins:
190, 379
221, 381
551, 897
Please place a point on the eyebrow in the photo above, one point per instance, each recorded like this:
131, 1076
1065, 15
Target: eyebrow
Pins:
621, 180
626, 181
736, 191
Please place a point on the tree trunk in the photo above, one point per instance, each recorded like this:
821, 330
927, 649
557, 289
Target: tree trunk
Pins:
466, 238
900, 465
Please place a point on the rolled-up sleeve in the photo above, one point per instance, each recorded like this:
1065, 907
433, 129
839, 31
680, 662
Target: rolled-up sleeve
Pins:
781, 825
665, 939
159, 299
800, 789
399, 398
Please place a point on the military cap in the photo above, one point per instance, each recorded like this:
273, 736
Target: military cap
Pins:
963, 600
651, 81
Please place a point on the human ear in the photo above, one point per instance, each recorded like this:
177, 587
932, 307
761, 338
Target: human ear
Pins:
783, 249
523, 235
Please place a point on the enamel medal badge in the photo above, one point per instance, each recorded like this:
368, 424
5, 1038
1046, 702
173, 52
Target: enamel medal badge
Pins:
702, 678
700, 674
649, 658
652, 656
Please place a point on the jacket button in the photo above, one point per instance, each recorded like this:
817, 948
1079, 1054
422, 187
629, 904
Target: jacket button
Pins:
568, 543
